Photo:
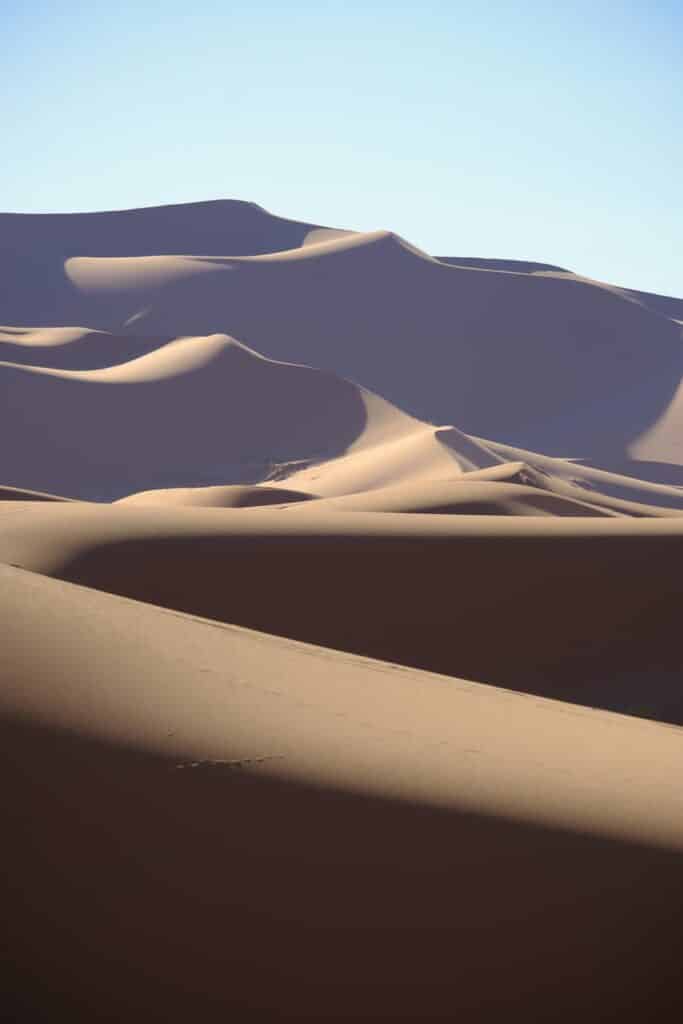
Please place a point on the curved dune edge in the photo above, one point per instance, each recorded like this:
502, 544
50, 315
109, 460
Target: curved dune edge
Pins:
464, 497
584, 609
409, 454
72, 348
231, 496
22, 494
295, 831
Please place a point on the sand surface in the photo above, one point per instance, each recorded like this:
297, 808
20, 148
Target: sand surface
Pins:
340, 604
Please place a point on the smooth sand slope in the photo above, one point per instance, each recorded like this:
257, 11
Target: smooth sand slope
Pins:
584, 609
223, 822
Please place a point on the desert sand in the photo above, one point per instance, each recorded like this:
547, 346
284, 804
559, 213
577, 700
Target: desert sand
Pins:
340, 603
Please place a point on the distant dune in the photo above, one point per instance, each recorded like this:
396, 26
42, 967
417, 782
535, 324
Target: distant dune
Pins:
193, 411
340, 603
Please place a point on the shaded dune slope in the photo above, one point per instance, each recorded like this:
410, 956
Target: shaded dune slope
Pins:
437, 851
488, 598
665, 305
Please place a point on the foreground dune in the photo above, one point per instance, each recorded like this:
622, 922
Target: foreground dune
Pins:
583, 608
280, 831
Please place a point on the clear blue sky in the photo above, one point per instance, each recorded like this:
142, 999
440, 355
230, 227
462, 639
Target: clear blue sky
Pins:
521, 130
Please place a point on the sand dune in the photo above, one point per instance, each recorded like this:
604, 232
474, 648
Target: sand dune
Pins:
195, 411
583, 481
586, 609
353, 840
422, 455
270, 453
412, 464
480, 497
417, 462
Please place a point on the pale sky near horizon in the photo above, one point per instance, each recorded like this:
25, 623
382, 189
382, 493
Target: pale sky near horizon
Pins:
514, 130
